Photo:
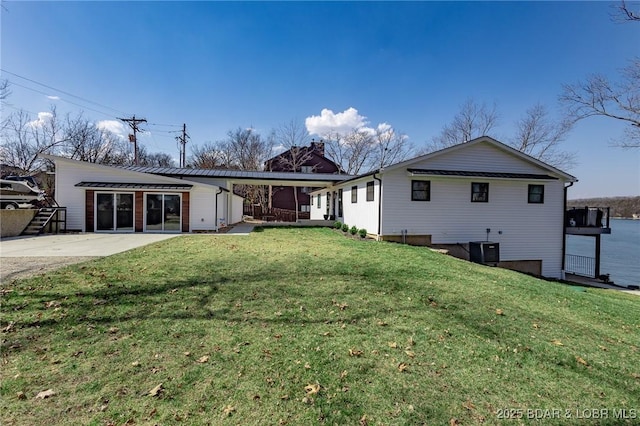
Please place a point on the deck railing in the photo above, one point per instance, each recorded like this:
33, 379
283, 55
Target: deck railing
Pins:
588, 217
580, 265
273, 214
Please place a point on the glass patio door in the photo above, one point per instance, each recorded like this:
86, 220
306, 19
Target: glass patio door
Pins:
163, 212
114, 212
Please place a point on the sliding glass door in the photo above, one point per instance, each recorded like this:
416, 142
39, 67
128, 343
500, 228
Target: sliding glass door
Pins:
163, 212
114, 211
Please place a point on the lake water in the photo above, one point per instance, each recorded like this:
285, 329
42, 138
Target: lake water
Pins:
620, 251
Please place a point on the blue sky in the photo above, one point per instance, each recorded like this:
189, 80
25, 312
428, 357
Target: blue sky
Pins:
217, 66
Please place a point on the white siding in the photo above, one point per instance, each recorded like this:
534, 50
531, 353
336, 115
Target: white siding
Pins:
480, 157
363, 214
237, 203
202, 208
69, 173
318, 210
525, 231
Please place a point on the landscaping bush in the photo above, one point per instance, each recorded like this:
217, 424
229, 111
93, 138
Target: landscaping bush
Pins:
353, 230
345, 227
337, 225
362, 233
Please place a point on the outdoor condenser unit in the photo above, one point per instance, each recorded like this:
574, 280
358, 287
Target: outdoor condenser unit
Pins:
485, 252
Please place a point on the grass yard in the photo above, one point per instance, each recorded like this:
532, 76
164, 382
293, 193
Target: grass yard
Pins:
305, 326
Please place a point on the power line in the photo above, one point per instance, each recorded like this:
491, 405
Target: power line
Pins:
64, 100
61, 91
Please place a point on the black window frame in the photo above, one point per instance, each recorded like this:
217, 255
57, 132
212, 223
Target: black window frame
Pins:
319, 203
354, 194
475, 194
427, 191
530, 194
340, 210
371, 190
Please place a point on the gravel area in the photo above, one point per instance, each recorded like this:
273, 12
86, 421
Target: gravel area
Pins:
24, 267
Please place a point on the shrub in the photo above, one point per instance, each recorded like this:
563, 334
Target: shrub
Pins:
362, 233
337, 225
345, 227
353, 230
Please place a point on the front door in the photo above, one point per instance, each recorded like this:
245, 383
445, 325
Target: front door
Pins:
114, 211
163, 212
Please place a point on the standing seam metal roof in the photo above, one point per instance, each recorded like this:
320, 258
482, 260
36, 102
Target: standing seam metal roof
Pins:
238, 174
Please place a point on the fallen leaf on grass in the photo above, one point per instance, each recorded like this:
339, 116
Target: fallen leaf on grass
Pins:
536, 326
392, 345
8, 327
363, 420
156, 391
382, 323
312, 389
45, 394
499, 312
135, 363
469, 405
113, 330
557, 342
581, 361
410, 354
21, 395
402, 367
635, 375
355, 352
229, 410
454, 422
343, 374
203, 359
187, 353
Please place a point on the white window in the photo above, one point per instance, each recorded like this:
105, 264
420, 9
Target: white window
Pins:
306, 169
305, 208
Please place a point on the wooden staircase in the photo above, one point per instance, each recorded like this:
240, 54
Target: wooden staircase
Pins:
40, 221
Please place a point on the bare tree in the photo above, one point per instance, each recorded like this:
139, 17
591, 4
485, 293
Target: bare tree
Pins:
4, 89
294, 138
154, 159
207, 156
84, 141
599, 97
472, 121
352, 151
540, 137
390, 147
623, 13
24, 138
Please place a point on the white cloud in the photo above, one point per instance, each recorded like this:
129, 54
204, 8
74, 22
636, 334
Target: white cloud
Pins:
330, 122
54, 98
43, 119
114, 126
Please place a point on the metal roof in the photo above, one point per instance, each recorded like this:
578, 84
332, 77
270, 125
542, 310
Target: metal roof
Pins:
466, 173
238, 174
122, 185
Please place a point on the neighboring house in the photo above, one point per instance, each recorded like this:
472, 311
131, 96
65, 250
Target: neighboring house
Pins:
309, 159
481, 190
158, 199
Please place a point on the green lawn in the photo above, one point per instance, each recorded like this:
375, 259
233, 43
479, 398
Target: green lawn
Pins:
305, 326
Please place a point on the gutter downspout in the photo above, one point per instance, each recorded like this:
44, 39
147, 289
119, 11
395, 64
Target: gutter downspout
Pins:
564, 230
216, 217
379, 204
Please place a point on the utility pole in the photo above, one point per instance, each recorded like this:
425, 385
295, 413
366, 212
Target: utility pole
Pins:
182, 140
133, 123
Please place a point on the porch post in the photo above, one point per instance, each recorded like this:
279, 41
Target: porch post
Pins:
597, 266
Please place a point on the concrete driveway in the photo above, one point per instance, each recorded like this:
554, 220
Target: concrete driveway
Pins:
26, 256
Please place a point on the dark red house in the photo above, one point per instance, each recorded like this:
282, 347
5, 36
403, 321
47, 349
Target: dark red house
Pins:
306, 159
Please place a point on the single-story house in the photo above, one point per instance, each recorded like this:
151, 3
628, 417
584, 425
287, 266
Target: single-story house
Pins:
100, 198
482, 190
